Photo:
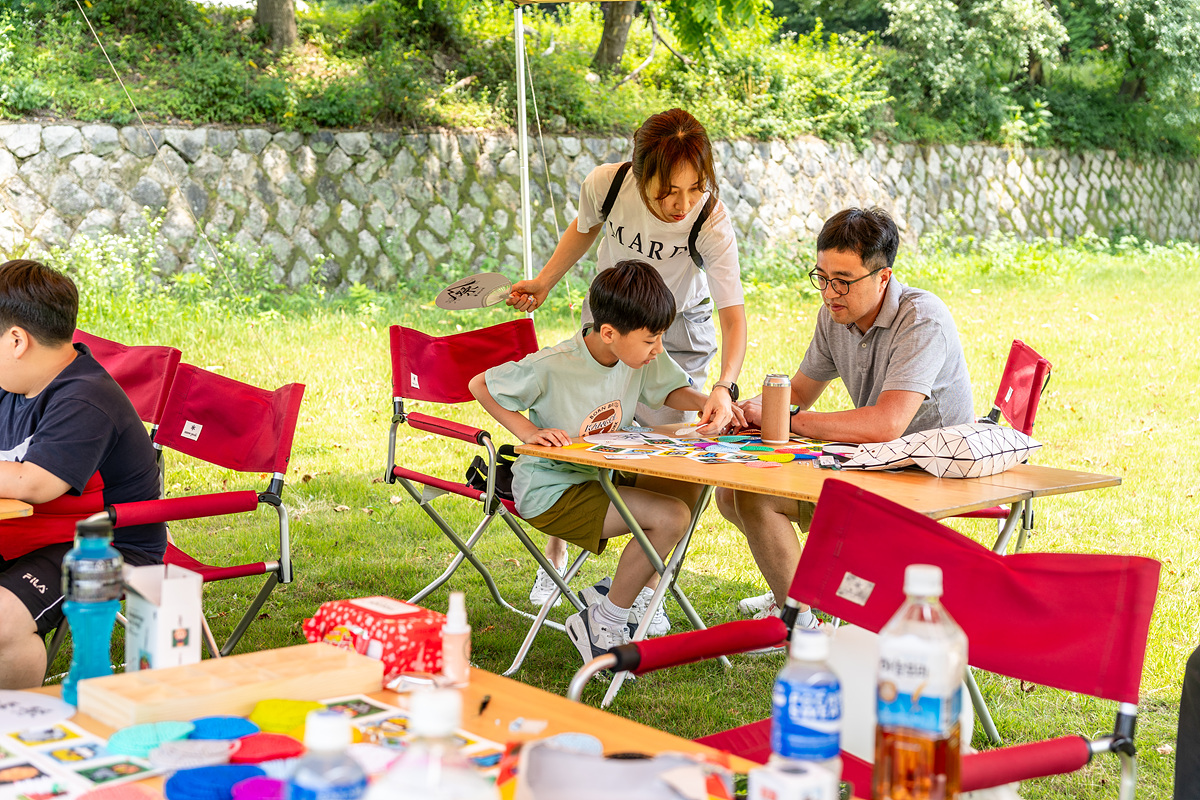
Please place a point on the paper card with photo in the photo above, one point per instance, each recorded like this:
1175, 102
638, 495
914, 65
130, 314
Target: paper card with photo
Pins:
75, 752
39, 736
124, 769
16, 773
358, 706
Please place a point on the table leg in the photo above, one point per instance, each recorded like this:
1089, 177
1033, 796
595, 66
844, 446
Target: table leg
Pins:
1010, 524
668, 572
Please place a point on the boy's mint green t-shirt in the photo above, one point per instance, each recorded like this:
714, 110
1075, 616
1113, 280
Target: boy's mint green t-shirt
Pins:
564, 387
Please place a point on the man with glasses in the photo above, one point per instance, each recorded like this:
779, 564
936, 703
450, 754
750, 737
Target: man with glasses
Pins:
897, 351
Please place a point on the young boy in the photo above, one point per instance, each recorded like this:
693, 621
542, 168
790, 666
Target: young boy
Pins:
589, 384
70, 444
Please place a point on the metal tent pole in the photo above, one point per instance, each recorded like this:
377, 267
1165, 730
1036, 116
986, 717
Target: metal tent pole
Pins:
523, 144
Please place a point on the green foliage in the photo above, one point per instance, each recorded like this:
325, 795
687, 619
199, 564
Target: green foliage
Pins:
1156, 41
705, 24
947, 48
772, 88
836, 16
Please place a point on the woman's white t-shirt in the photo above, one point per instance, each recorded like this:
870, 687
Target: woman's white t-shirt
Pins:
631, 231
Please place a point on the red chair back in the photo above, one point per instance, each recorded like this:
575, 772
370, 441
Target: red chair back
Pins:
438, 368
145, 372
1070, 621
1025, 375
230, 423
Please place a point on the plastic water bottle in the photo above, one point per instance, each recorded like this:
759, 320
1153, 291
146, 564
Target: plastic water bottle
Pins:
922, 661
806, 707
327, 772
432, 768
92, 586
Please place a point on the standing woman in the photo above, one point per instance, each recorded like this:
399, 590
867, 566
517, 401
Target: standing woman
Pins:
661, 208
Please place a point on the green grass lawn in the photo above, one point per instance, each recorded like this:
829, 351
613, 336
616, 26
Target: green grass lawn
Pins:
1117, 327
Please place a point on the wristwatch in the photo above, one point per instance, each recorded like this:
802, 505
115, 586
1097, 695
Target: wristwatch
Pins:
730, 387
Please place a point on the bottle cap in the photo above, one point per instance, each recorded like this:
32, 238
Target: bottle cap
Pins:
96, 525
923, 580
326, 731
809, 645
456, 614
435, 713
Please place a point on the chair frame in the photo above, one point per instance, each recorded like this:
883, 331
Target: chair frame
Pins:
814, 585
493, 506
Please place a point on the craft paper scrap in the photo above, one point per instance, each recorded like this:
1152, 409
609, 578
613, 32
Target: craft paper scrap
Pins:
23, 710
620, 439
626, 456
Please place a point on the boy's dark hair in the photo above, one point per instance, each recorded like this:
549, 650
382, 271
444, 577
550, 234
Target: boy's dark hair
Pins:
41, 300
870, 234
629, 296
662, 143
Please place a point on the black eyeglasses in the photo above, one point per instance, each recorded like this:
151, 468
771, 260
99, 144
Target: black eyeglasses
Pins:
839, 286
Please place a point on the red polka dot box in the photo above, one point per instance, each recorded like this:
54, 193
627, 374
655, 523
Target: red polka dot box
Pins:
405, 637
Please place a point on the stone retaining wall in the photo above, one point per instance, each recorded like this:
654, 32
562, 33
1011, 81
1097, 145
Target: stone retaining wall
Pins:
378, 207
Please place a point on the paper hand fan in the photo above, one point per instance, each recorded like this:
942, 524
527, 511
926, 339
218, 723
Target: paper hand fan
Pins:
477, 291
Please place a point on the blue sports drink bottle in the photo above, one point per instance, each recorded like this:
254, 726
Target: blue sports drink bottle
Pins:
92, 586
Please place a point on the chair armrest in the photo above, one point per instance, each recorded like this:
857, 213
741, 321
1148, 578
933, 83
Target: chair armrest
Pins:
683, 648
445, 427
1023, 761
175, 508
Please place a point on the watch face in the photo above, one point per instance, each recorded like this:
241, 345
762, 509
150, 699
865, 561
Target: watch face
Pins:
734, 392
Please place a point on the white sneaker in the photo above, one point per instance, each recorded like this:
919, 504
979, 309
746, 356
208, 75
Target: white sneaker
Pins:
544, 586
659, 624
770, 611
751, 606
592, 638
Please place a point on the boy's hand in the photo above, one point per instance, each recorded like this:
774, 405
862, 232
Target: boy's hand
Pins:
549, 437
752, 411
527, 296
719, 414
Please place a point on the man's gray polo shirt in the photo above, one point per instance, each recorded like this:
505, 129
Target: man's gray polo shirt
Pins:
912, 346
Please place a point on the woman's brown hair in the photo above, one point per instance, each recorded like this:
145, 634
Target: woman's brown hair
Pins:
665, 140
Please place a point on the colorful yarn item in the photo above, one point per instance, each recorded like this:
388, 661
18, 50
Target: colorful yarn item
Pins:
260, 788
259, 747
208, 783
222, 727
139, 740
187, 753
282, 716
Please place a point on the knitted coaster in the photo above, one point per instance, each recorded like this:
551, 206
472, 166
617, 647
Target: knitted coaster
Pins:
724, 448
208, 783
222, 728
735, 439
260, 788
781, 458
758, 448
259, 747
188, 753
139, 740
282, 716
122, 791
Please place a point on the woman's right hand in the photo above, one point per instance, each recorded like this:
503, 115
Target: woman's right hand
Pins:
528, 295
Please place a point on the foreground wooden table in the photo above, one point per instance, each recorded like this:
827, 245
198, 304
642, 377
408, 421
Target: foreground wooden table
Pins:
508, 700
14, 508
915, 489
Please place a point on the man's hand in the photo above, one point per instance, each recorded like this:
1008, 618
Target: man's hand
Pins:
548, 437
527, 296
752, 411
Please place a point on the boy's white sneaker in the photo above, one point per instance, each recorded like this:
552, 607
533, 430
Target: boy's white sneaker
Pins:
751, 606
544, 586
659, 624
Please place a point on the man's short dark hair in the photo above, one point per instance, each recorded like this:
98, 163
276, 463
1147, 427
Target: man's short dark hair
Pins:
870, 234
631, 295
41, 300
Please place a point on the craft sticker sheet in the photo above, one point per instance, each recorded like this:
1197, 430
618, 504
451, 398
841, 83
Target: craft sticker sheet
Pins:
357, 706
62, 760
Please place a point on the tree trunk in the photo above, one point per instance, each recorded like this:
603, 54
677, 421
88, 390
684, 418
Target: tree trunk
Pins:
1036, 71
279, 19
618, 16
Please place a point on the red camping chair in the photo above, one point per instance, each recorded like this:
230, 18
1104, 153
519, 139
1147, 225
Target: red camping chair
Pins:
1025, 377
145, 373
437, 369
1022, 614
238, 427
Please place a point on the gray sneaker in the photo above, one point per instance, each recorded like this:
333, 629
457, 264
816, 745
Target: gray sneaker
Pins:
752, 606
592, 638
659, 624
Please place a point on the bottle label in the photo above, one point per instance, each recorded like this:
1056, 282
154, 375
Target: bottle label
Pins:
806, 720
344, 791
919, 685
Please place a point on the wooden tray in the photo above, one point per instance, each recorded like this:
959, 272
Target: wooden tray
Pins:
230, 685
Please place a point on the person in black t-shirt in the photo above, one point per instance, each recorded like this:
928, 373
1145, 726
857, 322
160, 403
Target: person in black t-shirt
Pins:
70, 444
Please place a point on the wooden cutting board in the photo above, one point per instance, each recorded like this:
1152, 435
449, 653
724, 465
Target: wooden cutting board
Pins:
230, 685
